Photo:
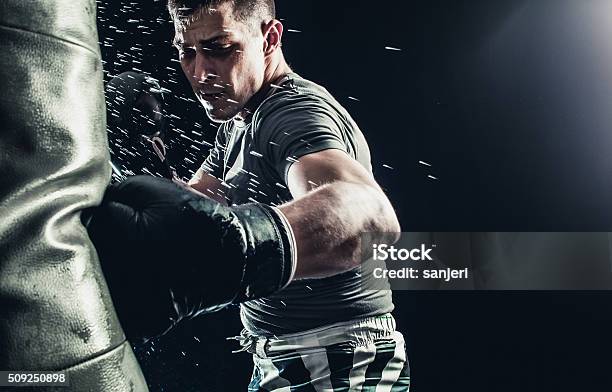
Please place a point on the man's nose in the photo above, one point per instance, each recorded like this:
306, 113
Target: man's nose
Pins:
203, 72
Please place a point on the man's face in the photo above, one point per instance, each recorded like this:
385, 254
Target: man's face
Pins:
223, 59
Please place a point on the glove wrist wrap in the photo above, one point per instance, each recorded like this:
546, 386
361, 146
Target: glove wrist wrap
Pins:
270, 256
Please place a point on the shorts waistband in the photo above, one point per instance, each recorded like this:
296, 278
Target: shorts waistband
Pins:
360, 332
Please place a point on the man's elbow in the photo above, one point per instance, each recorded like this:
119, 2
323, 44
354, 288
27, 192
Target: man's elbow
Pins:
394, 225
385, 219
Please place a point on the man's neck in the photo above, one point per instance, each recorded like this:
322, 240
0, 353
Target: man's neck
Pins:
274, 72
280, 69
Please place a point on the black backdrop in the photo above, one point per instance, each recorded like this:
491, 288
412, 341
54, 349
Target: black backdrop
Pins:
505, 104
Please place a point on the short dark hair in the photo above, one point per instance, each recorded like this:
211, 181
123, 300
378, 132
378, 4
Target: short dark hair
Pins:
255, 11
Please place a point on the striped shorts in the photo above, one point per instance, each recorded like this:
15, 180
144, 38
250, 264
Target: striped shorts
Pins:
365, 355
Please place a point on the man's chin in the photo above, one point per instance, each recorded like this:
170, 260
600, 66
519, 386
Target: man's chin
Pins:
220, 115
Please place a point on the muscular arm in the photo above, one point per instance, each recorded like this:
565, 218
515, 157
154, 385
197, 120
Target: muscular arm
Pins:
208, 185
335, 201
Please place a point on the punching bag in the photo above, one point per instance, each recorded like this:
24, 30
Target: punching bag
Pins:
55, 309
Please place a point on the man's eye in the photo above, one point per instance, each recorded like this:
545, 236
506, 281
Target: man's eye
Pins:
217, 50
186, 53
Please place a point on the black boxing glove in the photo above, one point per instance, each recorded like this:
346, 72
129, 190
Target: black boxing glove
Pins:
135, 102
168, 253
136, 126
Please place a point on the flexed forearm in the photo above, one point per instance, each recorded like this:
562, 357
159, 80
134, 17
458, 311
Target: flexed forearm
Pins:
328, 223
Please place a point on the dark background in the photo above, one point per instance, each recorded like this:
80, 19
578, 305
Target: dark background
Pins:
508, 101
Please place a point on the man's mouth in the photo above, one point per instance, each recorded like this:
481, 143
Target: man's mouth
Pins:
212, 96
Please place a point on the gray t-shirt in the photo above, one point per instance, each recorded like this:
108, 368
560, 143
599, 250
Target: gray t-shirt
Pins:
252, 160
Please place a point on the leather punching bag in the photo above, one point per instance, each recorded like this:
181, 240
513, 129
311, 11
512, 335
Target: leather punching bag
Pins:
55, 309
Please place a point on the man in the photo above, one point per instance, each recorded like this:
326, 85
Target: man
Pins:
286, 141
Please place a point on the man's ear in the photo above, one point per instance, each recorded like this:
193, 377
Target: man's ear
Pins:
273, 34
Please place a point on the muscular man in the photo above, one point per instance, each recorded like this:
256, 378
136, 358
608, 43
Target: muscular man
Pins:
293, 191
285, 141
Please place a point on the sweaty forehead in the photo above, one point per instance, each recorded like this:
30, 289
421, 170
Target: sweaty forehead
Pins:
207, 23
